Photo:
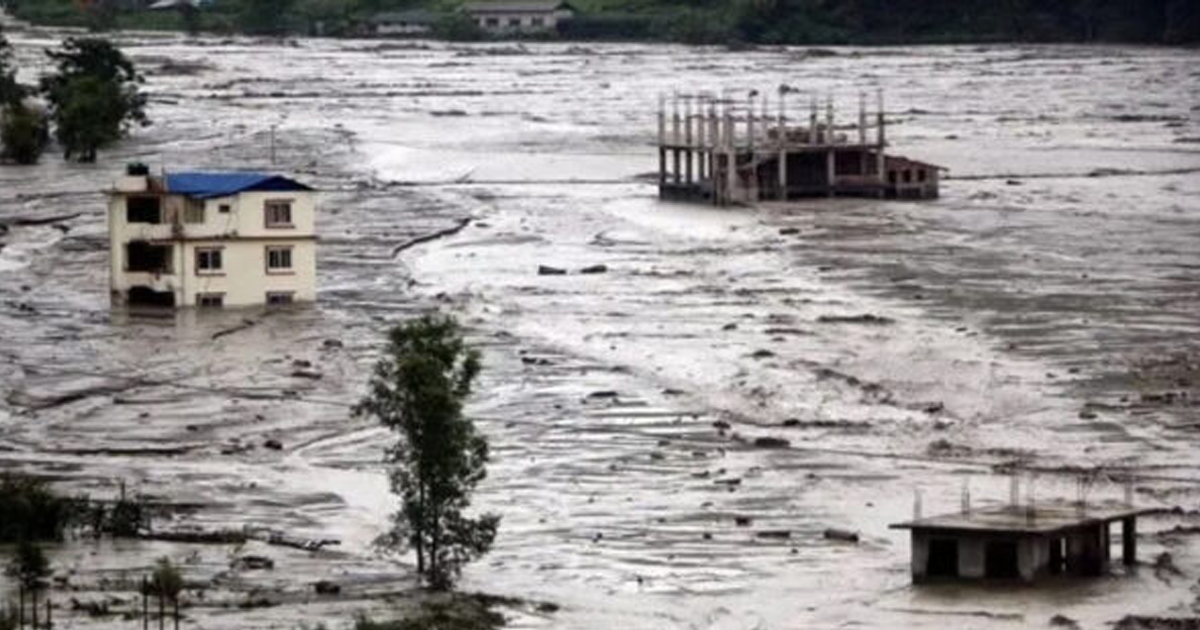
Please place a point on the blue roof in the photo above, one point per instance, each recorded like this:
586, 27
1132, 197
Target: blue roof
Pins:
209, 185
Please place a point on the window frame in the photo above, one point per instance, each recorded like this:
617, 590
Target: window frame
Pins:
190, 211
206, 300
224, 208
280, 298
219, 270
144, 199
279, 271
271, 204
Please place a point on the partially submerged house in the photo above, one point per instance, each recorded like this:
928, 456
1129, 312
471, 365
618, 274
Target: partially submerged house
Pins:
1015, 542
500, 18
211, 240
712, 149
414, 23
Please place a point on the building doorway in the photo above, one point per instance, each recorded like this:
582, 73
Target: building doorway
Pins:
943, 558
1000, 560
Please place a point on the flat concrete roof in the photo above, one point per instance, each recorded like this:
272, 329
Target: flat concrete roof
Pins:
1009, 519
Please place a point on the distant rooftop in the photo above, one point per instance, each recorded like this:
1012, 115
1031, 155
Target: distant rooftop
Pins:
209, 185
414, 16
1044, 519
533, 6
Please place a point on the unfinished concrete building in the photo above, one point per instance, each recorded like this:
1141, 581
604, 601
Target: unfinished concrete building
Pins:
1020, 543
712, 149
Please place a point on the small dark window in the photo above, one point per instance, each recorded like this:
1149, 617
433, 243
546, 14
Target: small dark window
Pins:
143, 210
276, 298
278, 214
907, 176
891, 177
210, 300
921, 175
537, 21
943, 558
208, 260
279, 259
492, 21
223, 208
514, 21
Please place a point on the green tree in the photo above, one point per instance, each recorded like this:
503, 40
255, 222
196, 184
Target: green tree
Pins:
23, 133
166, 583
417, 390
265, 17
30, 568
94, 96
11, 92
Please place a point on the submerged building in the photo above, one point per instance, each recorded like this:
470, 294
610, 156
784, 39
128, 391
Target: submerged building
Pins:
211, 240
1022, 543
711, 149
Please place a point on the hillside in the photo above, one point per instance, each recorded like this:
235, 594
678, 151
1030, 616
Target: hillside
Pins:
702, 21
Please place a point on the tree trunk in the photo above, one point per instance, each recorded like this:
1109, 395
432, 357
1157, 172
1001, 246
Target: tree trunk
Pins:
21, 605
419, 529
33, 606
162, 613
177, 613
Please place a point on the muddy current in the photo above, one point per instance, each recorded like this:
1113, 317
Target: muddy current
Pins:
1045, 310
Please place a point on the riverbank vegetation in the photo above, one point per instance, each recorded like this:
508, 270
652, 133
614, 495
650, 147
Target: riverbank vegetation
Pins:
696, 21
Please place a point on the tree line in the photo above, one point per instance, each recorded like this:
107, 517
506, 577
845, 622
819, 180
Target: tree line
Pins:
697, 21
91, 100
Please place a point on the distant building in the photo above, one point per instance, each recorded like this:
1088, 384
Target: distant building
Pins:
519, 17
211, 240
403, 23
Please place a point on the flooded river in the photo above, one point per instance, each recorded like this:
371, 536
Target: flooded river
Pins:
1046, 309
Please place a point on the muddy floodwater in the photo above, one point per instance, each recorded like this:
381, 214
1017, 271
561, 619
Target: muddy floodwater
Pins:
1046, 309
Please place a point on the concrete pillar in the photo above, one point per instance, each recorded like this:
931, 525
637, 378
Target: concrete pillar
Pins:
750, 122
829, 120
675, 121
662, 165
862, 118
920, 555
831, 169
814, 135
971, 557
662, 120
1129, 541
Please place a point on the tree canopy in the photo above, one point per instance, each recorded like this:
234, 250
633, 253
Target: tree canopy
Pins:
417, 390
94, 96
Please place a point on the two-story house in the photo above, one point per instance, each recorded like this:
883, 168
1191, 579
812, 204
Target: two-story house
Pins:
211, 240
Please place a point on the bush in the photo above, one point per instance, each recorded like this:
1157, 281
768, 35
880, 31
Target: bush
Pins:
24, 132
31, 511
458, 27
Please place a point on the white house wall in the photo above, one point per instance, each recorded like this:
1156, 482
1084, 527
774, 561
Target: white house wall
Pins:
241, 233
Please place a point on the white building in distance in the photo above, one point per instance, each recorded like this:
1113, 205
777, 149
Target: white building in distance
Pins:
519, 17
211, 240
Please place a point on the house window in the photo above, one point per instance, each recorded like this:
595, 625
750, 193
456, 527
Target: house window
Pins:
891, 177
514, 22
208, 260
143, 210
193, 212
224, 208
276, 298
279, 259
537, 21
907, 176
921, 175
492, 22
210, 300
278, 214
